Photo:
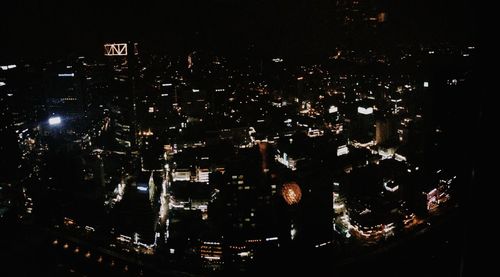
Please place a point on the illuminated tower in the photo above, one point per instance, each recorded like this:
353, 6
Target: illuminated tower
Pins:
124, 57
152, 188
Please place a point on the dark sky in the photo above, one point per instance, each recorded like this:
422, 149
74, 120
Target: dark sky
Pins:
42, 28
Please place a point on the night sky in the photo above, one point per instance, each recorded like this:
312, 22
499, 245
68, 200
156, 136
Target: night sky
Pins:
304, 27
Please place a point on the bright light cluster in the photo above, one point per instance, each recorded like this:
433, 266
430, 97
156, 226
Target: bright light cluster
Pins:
291, 193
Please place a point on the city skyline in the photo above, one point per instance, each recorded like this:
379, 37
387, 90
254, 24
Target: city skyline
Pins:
223, 139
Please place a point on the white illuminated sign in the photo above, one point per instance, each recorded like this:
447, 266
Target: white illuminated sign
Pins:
426, 84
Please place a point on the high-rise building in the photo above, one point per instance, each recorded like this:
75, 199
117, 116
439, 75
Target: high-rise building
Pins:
362, 125
123, 59
385, 131
63, 90
246, 197
211, 255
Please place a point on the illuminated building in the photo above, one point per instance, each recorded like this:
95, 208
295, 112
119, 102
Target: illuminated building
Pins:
244, 211
202, 175
382, 131
64, 95
362, 125
301, 87
365, 110
440, 194
211, 255
186, 195
245, 199
240, 256
376, 202
287, 160
385, 137
342, 150
314, 133
181, 174
193, 102
151, 188
123, 58
293, 149
333, 109
247, 152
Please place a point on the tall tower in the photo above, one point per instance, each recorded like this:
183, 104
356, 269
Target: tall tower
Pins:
151, 188
124, 56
